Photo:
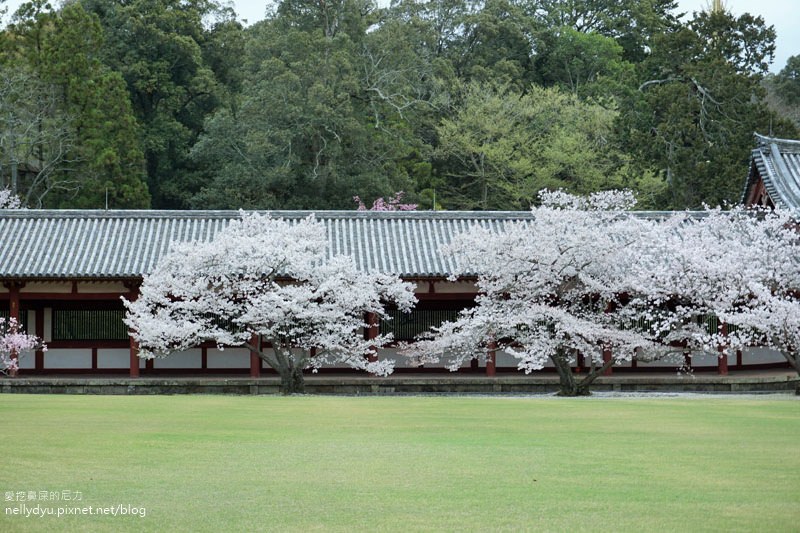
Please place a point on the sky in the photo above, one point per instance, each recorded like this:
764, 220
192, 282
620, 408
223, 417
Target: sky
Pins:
783, 14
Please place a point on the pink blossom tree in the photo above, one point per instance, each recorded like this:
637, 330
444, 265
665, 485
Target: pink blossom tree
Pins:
272, 279
394, 203
14, 344
740, 265
588, 277
556, 287
9, 200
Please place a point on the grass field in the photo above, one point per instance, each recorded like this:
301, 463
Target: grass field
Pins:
223, 463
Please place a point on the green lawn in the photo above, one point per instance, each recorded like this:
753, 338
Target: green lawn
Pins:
224, 463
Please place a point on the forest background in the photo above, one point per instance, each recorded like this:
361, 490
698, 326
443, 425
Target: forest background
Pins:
175, 104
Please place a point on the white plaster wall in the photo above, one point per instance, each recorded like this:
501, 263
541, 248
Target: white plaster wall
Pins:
504, 360
47, 286
672, 361
68, 358
28, 360
400, 361
229, 358
709, 359
192, 358
752, 356
448, 287
114, 358
661, 363
102, 286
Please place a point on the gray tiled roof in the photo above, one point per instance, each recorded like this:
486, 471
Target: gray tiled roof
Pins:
127, 244
777, 162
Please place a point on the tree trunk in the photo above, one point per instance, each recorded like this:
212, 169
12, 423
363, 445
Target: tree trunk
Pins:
14, 178
569, 386
793, 358
292, 381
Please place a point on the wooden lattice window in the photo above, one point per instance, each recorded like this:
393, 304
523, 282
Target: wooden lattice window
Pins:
23, 316
89, 324
406, 326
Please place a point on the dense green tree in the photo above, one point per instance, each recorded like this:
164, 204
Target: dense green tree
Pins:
323, 116
698, 104
586, 64
501, 148
108, 143
438, 22
102, 163
496, 45
323, 101
787, 82
632, 23
158, 46
783, 91
36, 137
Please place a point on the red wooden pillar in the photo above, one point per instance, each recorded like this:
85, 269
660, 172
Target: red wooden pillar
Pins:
134, 346
722, 360
134, 360
255, 360
580, 362
13, 303
491, 353
606, 358
610, 308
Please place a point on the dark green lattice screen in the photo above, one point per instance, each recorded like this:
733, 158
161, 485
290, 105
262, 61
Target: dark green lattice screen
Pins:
709, 322
89, 324
23, 316
406, 326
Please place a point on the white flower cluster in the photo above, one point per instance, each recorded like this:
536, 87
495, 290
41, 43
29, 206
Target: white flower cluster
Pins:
268, 279
8, 200
14, 343
584, 277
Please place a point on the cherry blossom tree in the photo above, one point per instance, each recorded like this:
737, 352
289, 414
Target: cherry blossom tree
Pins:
270, 279
740, 265
9, 200
14, 344
586, 276
554, 288
394, 203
